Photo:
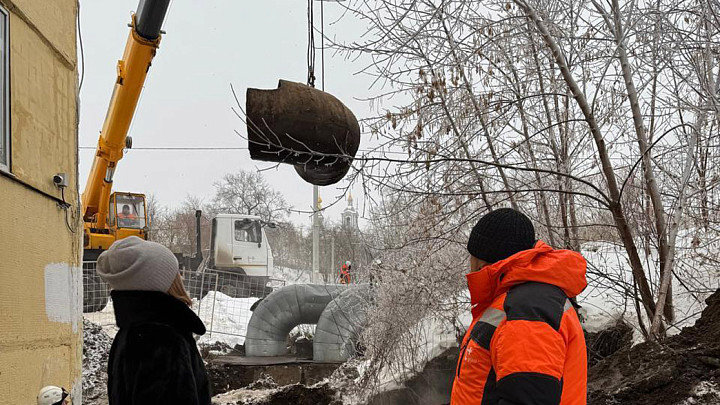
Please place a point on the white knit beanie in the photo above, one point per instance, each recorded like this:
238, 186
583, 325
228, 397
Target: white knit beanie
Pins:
133, 264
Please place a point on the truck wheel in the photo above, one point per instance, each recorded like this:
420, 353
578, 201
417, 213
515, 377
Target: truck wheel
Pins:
95, 292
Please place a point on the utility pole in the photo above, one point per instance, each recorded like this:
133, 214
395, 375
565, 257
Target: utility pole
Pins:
332, 261
316, 237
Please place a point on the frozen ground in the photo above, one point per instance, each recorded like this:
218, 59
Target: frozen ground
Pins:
105, 319
96, 346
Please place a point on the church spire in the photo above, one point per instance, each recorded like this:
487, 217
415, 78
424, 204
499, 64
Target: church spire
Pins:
350, 214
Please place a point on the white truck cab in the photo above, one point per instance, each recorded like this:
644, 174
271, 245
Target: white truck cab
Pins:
238, 244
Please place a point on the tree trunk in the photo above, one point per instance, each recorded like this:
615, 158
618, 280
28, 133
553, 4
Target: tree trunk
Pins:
615, 207
650, 181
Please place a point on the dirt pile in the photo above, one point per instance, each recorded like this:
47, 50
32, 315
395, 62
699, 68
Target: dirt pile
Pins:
685, 369
213, 350
96, 347
607, 342
430, 387
297, 394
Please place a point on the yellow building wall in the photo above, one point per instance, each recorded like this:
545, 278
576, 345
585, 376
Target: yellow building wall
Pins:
40, 256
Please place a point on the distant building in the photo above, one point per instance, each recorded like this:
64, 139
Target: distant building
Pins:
40, 228
350, 215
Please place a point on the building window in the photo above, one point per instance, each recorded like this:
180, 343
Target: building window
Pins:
4, 92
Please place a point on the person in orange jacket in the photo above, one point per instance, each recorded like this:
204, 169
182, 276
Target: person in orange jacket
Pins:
525, 344
126, 218
345, 273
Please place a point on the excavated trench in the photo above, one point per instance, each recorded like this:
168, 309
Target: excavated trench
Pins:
683, 370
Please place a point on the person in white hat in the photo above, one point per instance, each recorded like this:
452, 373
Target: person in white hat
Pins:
52, 395
154, 358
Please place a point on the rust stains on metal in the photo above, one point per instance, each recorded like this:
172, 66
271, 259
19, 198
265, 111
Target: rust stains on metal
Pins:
303, 126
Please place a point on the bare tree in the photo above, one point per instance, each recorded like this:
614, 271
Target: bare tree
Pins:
594, 117
247, 192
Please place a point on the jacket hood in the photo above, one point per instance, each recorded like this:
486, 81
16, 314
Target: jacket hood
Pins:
140, 307
562, 268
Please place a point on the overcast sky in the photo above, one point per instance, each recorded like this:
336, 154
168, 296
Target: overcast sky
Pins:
187, 98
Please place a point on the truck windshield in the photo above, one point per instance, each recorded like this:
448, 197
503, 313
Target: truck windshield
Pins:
130, 211
247, 230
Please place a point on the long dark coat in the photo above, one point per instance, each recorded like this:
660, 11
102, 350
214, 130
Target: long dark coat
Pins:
154, 358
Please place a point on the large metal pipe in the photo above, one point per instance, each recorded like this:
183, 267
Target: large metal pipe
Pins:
305, 127
281, 311
340, 325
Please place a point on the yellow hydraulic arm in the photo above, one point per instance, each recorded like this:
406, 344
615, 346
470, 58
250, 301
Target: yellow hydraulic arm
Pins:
132, 69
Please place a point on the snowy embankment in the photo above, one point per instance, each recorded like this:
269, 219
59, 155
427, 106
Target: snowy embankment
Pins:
610, 284
226, 318
292, 276
682, 371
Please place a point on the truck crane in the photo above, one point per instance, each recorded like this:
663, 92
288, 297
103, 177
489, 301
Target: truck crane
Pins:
239, 248
109, 216
238, 242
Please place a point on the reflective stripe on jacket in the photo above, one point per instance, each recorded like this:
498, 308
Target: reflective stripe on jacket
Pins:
525, 344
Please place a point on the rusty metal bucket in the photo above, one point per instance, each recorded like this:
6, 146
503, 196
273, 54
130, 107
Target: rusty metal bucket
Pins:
305, 127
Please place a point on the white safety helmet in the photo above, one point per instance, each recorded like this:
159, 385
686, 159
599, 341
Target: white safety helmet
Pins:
347, 263
51, 395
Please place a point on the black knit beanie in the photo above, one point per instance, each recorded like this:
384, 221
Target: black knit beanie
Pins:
500, 234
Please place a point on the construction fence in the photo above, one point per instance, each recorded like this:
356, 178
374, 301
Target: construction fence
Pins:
223, 300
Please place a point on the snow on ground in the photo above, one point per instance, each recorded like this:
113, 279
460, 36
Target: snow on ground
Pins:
432, 337
292, 276
610, 283
243, 396
603, 301
225, 318
706, 392
96, 347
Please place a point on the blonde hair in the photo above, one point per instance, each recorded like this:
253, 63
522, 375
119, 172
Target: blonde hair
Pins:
177, 290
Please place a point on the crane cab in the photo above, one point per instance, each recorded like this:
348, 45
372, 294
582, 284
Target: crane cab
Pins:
127, 216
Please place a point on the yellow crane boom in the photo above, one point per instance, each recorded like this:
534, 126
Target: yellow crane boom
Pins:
98, 202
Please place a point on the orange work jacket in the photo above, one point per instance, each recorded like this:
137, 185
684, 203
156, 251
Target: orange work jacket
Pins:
525, 344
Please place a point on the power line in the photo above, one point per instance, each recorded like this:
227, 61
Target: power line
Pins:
179, 148
219, 148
